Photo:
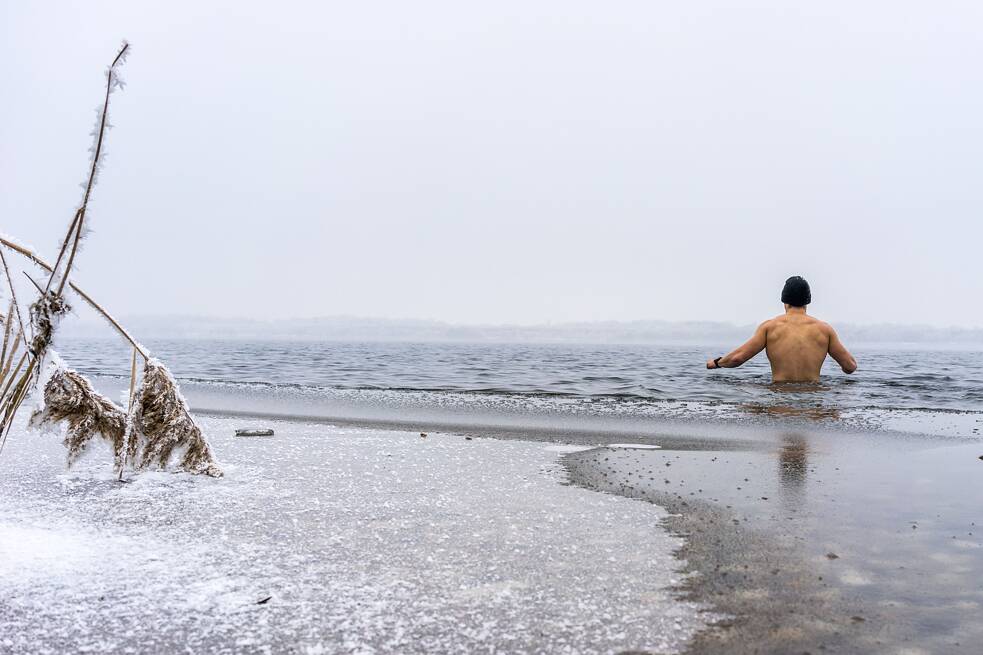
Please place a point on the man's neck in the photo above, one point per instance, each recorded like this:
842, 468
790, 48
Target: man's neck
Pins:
790, 310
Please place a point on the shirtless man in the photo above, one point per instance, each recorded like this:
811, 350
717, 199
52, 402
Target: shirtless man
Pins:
797, 344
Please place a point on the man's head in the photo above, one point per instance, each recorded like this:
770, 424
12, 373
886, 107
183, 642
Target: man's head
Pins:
796, 292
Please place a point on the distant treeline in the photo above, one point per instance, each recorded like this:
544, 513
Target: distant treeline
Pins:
371, 329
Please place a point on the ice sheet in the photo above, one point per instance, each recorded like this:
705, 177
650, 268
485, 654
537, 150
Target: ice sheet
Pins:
365, 540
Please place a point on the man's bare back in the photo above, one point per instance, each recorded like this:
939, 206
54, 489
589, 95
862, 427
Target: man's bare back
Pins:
796, 343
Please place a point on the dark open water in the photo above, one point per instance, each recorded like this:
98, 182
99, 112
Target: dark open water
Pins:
630, 381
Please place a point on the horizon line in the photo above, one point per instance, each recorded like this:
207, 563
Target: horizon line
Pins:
503, 325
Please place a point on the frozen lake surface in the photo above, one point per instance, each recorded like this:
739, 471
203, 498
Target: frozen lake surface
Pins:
362, 540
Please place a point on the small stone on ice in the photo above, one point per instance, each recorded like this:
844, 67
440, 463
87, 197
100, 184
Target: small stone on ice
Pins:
266, 432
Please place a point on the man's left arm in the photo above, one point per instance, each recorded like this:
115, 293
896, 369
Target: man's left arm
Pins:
839, 352
744, 352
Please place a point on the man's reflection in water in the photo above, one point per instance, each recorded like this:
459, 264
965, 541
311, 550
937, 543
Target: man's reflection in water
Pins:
793, 460
797, 387
796, 400
793, 468
785, 411
793, 453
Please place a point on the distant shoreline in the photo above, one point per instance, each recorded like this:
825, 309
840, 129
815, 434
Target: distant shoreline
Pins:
344, 329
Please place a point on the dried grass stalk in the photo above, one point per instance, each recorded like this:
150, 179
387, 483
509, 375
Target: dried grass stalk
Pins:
6, 334
8, 327
70, 398
161, 423
113, 81
42, 264
9, 354
14, 305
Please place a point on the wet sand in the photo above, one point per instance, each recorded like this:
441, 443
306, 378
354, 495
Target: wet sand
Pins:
819, 541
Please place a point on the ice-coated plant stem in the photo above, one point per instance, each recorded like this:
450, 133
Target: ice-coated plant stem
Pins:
36, 260
6, 337
78, 221
129, 411
13, 293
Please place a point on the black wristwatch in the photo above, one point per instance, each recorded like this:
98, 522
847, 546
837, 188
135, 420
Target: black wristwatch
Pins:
716, 362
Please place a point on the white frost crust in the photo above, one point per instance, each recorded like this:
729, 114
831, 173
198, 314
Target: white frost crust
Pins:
367, 541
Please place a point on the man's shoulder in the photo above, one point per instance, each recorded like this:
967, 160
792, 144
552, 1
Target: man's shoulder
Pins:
823, 325
775, 321
804, 321
768, 323
771, 325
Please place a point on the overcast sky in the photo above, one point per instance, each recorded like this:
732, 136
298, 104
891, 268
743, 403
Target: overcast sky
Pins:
507, 162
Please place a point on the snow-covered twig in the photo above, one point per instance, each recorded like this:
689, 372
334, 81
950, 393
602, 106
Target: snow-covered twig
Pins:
99, 133
36, 260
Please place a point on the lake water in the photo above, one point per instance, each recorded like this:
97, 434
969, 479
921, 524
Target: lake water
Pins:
939, 390
850, 508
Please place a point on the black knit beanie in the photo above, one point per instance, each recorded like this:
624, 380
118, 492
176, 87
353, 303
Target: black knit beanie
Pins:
796, 292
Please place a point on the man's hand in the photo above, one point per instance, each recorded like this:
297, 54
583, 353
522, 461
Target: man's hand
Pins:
712, 364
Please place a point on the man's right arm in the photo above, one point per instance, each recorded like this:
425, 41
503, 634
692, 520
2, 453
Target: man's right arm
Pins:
744, 352
839, 352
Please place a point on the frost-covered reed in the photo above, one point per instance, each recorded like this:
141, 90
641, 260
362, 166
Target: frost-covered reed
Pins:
50, 306
69, 398
157, 424
157, 427
160, 423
